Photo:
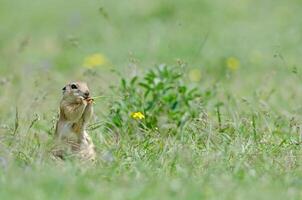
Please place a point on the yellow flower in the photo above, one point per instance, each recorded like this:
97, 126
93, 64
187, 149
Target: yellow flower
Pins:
195, 75
137, 115
233, 63
94, 60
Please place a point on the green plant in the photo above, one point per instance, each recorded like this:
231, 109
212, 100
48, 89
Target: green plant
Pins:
159, 100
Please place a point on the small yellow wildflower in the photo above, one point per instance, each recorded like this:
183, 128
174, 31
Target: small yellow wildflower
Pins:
195, 75
94, 60
137, 115
233, 63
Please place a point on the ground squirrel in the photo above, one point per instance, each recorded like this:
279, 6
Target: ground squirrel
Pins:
76, 109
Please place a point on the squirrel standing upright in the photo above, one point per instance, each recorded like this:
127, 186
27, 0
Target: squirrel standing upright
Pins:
76, 109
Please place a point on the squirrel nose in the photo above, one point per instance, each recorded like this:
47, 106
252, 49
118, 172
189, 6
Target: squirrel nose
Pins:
86, 94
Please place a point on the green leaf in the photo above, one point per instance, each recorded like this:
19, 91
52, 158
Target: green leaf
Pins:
123, 83
144, 85
133, 80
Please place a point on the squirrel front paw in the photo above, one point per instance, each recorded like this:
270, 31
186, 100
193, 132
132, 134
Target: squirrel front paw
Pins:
81, 100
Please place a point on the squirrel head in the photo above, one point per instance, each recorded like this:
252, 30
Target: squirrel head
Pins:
75, 91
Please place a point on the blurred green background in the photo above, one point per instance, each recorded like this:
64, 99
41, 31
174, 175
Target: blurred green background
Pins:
248, 51
57, 34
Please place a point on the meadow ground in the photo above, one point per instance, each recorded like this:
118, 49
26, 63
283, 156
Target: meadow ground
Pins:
243, 141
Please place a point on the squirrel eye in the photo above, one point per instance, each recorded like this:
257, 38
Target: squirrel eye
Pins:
73, 86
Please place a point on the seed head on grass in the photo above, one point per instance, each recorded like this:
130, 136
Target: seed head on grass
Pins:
137, 115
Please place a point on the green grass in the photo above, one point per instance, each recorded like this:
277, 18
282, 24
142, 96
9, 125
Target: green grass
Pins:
249, 148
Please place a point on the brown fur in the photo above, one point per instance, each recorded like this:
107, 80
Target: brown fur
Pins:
76, 109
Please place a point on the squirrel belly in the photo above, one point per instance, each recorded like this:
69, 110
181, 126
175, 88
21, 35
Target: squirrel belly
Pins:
64, 131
